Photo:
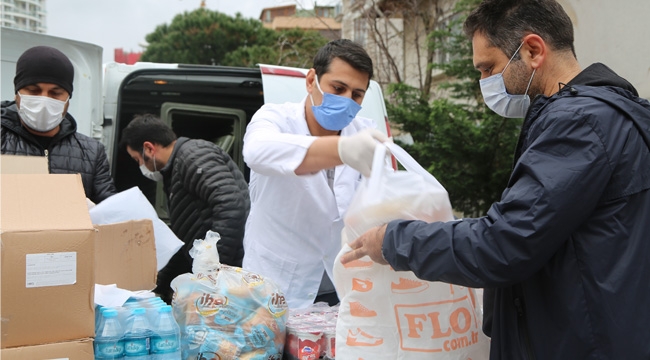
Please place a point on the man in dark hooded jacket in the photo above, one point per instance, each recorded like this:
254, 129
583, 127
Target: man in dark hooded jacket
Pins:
205, 191
565, 252
37, 123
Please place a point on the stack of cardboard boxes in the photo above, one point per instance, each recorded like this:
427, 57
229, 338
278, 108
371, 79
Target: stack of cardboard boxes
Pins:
51, 258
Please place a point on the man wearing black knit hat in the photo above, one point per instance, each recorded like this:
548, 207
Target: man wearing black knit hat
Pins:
36, 123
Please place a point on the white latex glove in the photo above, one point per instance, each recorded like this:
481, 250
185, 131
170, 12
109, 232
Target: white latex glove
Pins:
358, 150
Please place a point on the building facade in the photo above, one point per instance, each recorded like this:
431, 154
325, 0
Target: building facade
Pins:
394, 32
614, 33
322, 19
29, 15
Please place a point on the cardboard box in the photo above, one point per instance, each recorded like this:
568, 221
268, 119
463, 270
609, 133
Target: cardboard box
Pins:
71, 350
20, 164
47, 260
125, 254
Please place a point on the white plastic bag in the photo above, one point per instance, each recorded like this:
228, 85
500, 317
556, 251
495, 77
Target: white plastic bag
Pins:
385, 314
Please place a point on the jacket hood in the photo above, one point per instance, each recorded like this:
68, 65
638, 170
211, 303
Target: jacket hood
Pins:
598, 74
11, 120
594, 81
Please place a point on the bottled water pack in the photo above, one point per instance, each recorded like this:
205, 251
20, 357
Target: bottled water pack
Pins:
139, 330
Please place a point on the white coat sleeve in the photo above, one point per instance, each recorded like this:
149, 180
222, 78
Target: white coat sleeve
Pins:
271, 144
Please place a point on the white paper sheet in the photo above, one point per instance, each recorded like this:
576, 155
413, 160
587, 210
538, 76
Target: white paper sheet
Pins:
131, 204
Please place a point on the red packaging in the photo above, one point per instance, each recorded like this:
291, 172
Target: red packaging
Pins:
329, 341
303, 343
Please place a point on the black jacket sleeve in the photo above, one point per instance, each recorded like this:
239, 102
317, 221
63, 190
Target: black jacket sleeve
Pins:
103, 185
213, 177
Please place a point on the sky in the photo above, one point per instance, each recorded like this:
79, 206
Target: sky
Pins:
124, 24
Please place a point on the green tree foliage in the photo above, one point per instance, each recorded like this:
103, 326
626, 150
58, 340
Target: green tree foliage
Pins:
211, 38
457, 138
295, 47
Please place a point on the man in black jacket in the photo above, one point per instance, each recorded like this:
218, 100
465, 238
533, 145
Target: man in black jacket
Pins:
205, 191
565, 251
37, 122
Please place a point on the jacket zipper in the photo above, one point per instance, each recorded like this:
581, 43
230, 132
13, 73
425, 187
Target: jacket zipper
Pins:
523, 329
47, 159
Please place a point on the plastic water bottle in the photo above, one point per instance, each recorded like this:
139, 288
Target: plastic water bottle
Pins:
99, 317
137, 334
109, 342
166, 338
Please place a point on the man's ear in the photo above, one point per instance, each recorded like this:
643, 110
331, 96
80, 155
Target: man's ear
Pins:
535, 50
148, 145
309, 80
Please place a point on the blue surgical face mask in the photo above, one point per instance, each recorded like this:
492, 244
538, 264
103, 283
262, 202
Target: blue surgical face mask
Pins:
335, 112
496, 96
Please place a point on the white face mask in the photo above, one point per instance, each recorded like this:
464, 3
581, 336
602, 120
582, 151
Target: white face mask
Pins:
153, 175
496, 96
41, 113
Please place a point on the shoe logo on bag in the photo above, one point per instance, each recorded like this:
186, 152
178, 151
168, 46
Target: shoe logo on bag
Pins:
408, 286
441, 332
361, 285
210, 304
356, 309
362, 338
277, 304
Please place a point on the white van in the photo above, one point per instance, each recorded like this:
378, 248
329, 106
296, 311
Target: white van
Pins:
214, 103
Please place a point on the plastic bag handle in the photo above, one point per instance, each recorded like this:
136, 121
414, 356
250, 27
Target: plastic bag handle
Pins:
407, 161
377, 171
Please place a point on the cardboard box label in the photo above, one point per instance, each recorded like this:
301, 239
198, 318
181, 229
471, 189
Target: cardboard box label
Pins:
50, 269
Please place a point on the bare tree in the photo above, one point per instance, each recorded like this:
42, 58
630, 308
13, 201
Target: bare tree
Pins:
397, 37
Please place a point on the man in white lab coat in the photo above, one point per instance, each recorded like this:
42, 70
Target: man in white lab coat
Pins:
306, 160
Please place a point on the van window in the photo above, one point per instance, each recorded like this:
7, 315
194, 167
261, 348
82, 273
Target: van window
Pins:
222, 126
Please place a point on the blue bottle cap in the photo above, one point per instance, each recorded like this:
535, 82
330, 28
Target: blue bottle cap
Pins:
109, 313
138, 311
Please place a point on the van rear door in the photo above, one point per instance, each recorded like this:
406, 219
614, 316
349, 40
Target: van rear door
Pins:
213, 103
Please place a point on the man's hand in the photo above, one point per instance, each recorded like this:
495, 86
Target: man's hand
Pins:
358, 150
368, 244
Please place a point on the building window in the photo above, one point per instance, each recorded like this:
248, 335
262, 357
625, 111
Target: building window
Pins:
360, 31
452, 23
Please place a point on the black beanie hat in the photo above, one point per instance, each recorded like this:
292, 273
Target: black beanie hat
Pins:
44, 64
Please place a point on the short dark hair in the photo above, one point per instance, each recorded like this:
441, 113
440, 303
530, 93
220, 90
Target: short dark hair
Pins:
346, 50
505, 22
146, 127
